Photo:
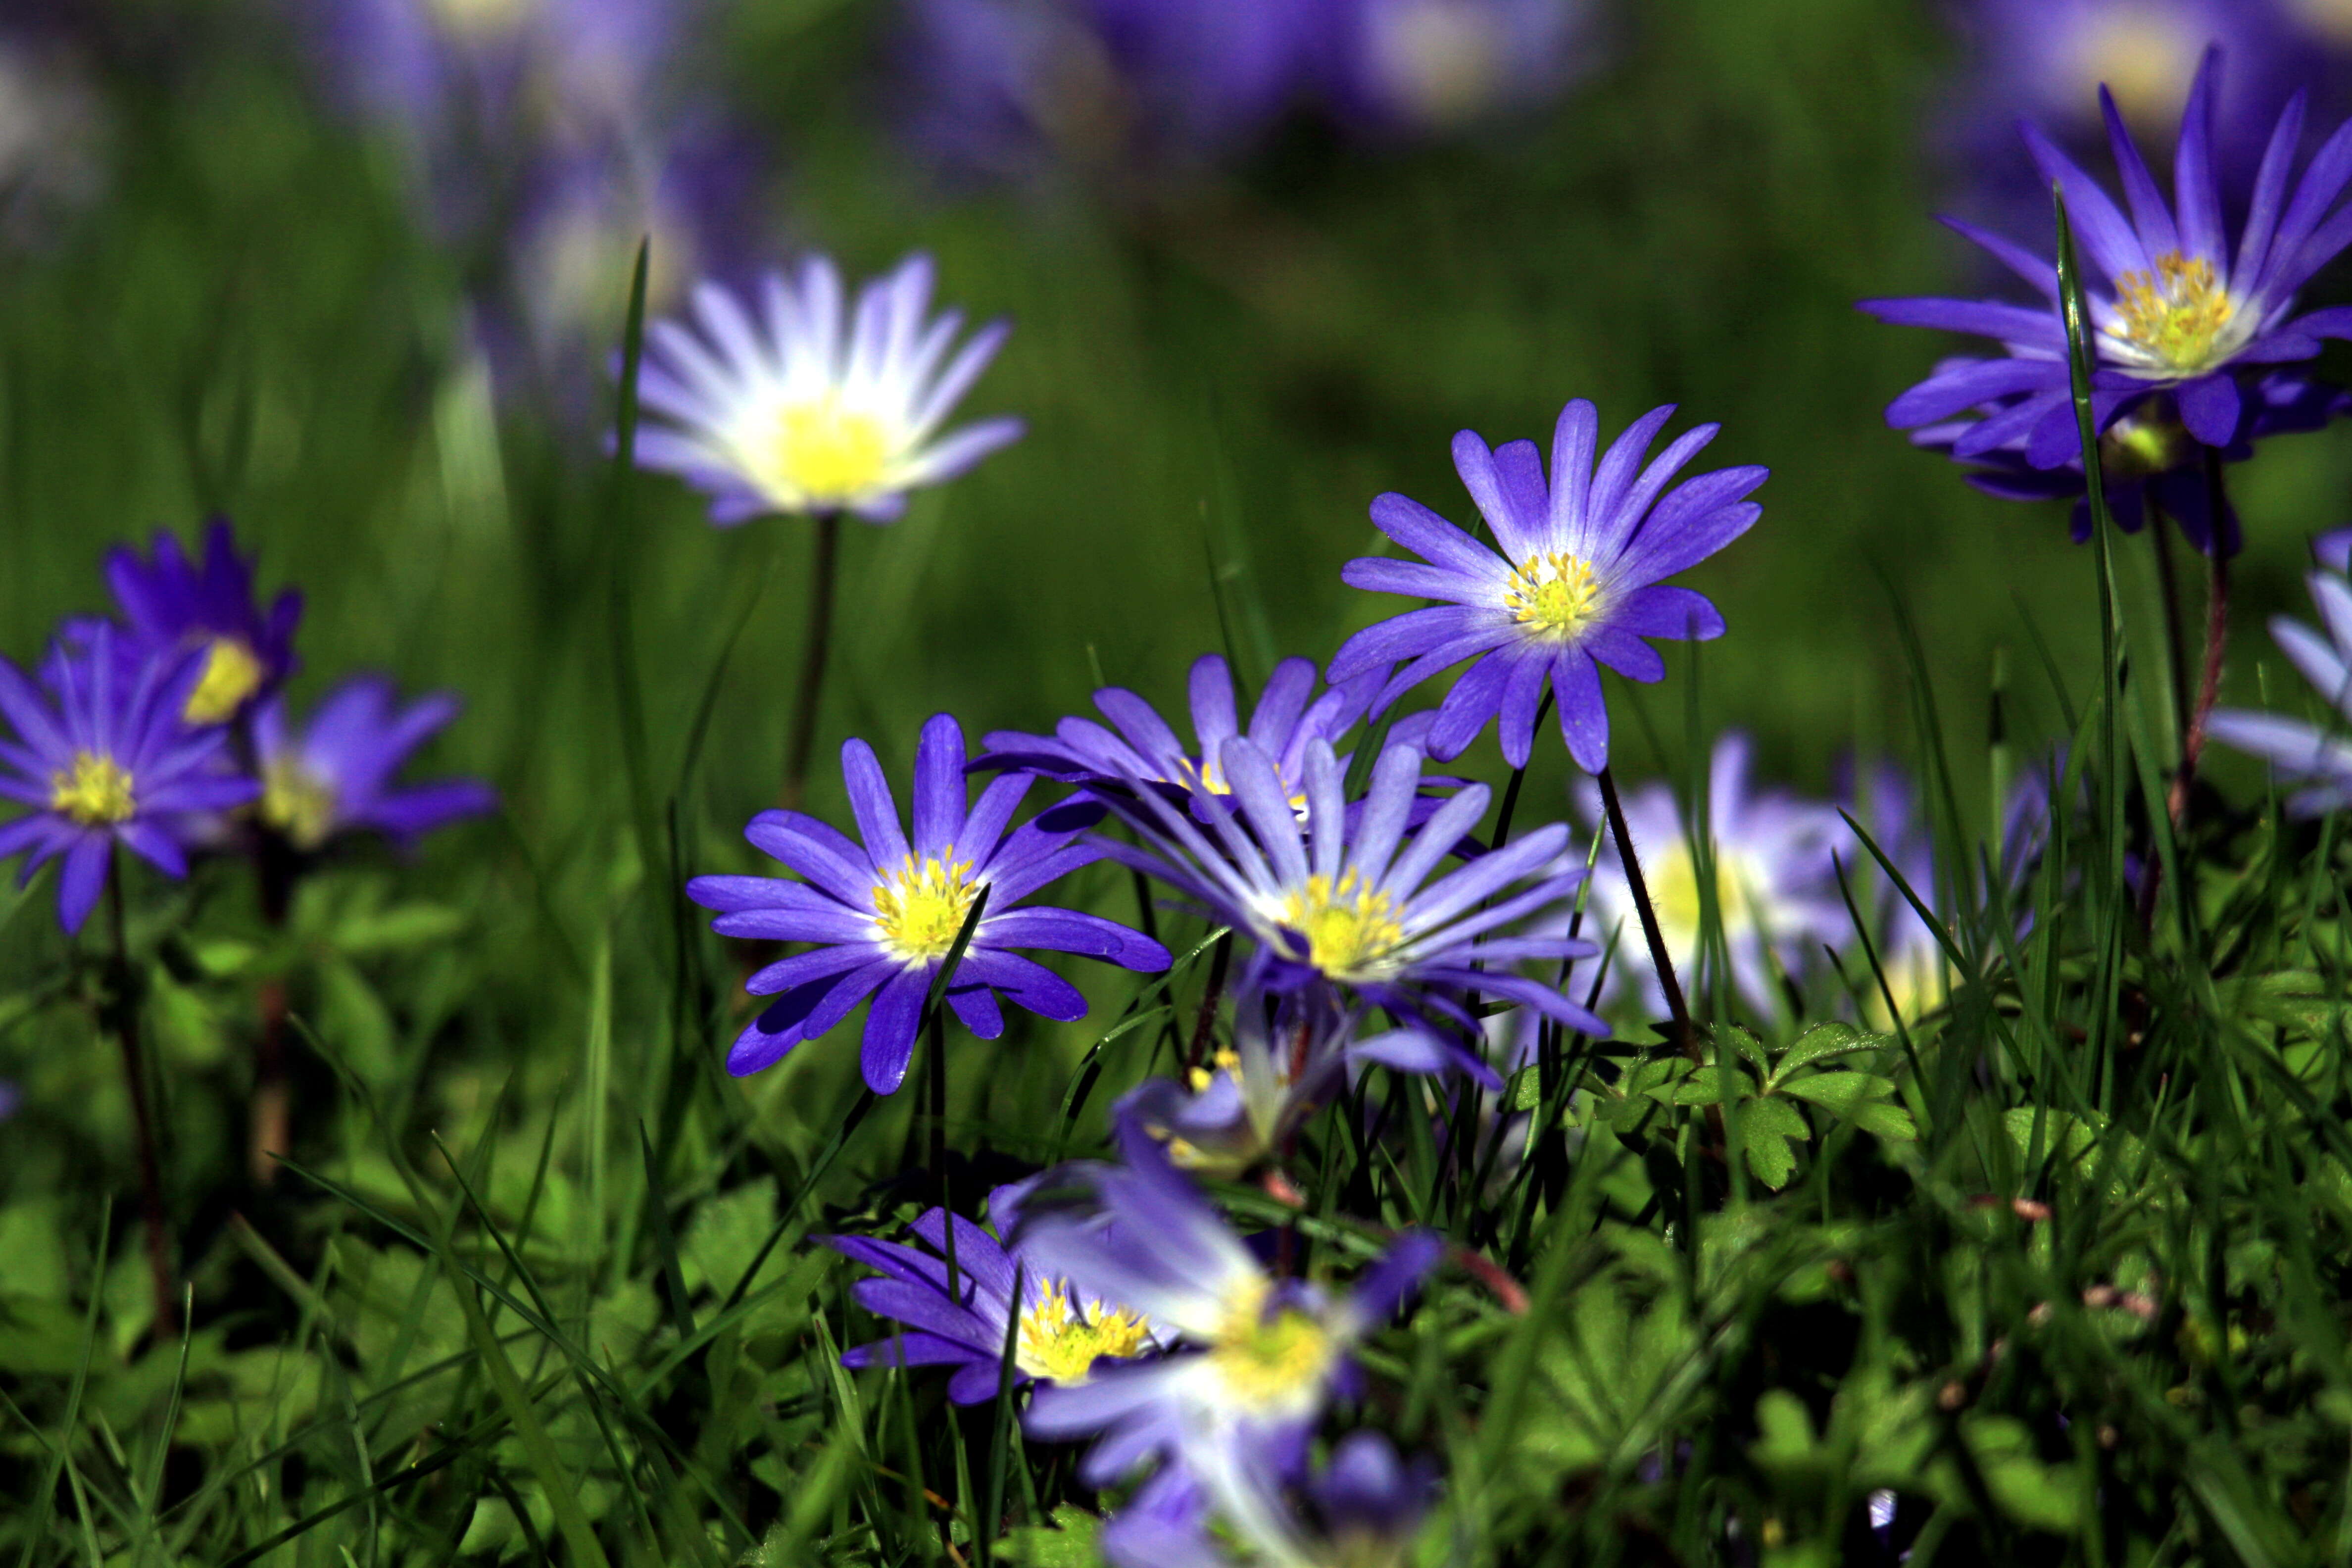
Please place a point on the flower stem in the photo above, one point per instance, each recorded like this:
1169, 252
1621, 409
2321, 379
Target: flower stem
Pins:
821, 571
1659, 957
2175, 645
271, 1127
938, 1069
125, 1010
2216, 632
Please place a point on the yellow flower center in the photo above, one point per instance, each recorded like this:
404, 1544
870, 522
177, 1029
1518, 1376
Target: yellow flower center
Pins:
2143, 54
1673, 883
1268, 1360
480, 19
1224, 1059
826, 454
1060, 1340
297, 801
2141, 445
233, 672
1553, 594
922, 907
95, 792
1349, 925
2331, 17
2176, 314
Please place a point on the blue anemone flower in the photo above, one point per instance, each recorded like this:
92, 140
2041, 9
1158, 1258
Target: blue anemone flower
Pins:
1063, 1332
1288, 717
2317, 759
1576, 579
102, 756
335, 776
1360, 1509
1336, 899
882, 915
2176, 311
1258, 1357
172, 604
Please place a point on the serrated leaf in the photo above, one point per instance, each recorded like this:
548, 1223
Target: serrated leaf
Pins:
1841, 1091
1769, 1130
1744, 1044
1525, 1090
1073, 1540
1825, 1042
1889, 1122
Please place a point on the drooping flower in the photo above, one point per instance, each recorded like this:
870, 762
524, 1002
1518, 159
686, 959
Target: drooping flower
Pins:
2177, 313
1776, 898
1257, 1356
103, 756
806, 408
172, 604
1579, 579
2317, 759
335, 776
1289, 1056
2147, 459
1341, 904
1141, 746
882, 916
1063, 1332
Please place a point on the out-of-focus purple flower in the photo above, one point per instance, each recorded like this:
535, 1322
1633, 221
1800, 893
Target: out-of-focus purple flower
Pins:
1577, 579
883, 915
2146, 458
53, 135
1776, 895
2317, 759
1013, 89
1288, 717
10, 1097
172, 604
335, 776
1405, 65
1362, 1509
1911, 961
1341, 905
1063, 1332
812, 405
1258, 1357
102, 756
2178, 314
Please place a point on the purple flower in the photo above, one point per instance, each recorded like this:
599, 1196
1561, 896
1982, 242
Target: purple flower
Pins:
1362, 1509
172, 604
2147, 458
2176, 312
813, 406
1776, 898
1063, 1332
103, 756
1576, 579
881, 916
1142, 747
1339, 904
335, 776
1259, 1356
1911, 960
1432, 65
2317, 759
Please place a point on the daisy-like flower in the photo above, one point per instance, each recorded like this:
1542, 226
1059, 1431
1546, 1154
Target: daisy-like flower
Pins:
172, 605
1289, 1056
2317, 759
1577, 579
805, 408
335, 776
1141, 745
102, 756
1336, 900
883, 915
1063, 1332
1776, 894
2177, 311
1258, 1357
1363, 1509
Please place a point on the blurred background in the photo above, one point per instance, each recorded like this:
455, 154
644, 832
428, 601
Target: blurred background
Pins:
353, 273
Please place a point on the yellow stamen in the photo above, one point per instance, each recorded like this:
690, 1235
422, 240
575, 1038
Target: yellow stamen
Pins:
828, 454
96, 792
1060, 1340
480, 19
297, 801
232, 673
1268, 1360
1554, 595
1224, 1059
2175, 314
1350, 926
1673, 883
920, 908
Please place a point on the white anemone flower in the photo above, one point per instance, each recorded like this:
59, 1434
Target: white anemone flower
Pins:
792, 404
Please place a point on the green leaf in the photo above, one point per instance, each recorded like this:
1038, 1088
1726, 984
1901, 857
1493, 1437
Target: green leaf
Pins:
1823, 1042
1074, 1541
1769, 1130
1889, 1122
1525, 1089
2048, 1497
1841, 1091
